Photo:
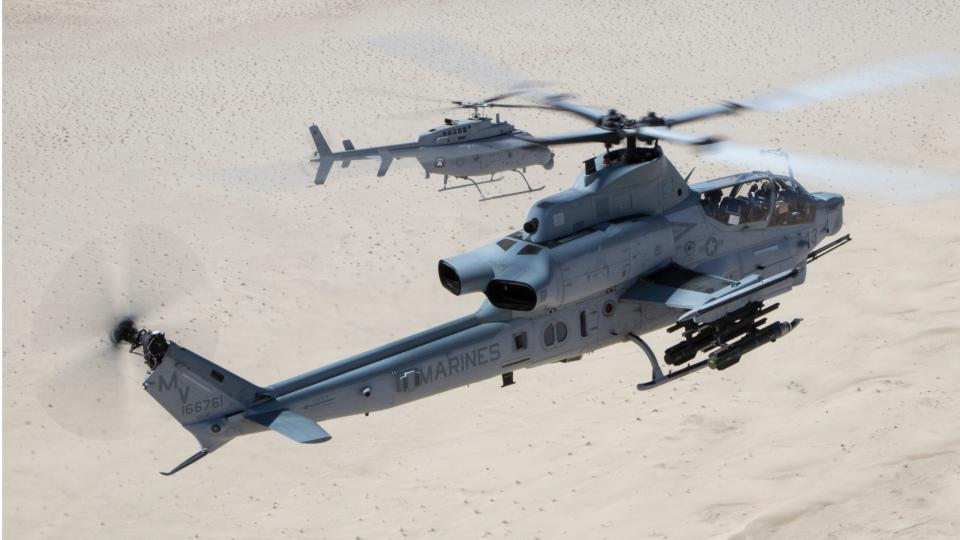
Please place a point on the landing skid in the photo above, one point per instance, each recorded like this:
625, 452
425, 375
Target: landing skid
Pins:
472, 183
657, 377
477, 184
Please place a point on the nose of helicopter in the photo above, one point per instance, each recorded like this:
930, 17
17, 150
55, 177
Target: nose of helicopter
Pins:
830, 205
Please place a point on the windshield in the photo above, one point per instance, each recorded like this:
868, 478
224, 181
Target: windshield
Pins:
747, 202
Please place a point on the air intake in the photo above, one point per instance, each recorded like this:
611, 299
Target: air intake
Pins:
512, 295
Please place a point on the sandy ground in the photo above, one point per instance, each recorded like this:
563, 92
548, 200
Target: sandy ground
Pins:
194, 118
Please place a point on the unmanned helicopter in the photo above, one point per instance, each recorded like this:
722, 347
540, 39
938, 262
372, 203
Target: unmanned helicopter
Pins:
461, 148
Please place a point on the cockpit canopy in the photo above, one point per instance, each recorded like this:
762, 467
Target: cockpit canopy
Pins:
757, 198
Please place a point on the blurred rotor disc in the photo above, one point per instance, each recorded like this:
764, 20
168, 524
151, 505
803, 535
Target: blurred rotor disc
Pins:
92, 386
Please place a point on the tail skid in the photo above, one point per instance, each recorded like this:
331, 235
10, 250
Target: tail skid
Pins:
206, 399
212, 403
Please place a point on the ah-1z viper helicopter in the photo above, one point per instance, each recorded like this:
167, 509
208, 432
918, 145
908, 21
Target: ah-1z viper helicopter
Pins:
630, 248
461, 148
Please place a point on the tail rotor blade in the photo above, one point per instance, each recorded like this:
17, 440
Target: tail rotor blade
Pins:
90, 385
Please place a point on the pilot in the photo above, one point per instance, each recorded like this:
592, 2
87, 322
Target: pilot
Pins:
759, 200
711, 202
764, 192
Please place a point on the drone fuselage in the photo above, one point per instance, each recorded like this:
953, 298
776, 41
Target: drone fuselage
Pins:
465, 148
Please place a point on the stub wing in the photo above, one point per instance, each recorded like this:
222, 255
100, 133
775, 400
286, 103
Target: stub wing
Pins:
706, 297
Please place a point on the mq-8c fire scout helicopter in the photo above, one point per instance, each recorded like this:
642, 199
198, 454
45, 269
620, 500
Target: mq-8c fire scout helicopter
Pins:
462, 148
630, 248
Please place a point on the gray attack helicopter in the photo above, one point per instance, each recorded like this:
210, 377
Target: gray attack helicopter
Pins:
630, 248
465, 149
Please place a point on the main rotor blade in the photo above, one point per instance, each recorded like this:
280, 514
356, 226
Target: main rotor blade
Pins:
505, 95
701, 113
899, 72
870, 177
573, 137
666, 134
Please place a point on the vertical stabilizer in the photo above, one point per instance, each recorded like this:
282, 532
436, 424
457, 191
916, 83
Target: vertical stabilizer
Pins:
323, 155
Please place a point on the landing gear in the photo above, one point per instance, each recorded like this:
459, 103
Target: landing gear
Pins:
657, 377
477, 184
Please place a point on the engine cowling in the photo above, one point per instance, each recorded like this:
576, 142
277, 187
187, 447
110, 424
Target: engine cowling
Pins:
464, 274
520, 275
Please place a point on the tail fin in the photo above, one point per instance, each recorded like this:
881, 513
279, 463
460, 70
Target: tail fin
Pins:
203, 397
193, 389
216, 406
323, 153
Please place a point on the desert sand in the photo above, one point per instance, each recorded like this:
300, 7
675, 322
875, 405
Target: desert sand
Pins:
126, 116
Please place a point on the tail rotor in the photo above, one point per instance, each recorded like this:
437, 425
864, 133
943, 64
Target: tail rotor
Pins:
89, 319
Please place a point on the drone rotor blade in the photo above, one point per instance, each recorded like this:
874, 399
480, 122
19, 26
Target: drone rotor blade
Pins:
504, 95
574, 137
520, 106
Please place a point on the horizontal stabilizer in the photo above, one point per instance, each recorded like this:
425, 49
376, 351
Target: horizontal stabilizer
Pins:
294, 426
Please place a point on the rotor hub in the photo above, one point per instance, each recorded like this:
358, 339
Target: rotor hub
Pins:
154, 344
